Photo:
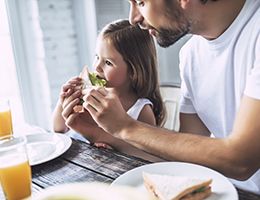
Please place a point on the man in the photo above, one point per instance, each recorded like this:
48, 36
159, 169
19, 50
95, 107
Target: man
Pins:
220, 70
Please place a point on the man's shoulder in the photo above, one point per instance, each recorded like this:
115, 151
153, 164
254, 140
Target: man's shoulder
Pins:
252, 23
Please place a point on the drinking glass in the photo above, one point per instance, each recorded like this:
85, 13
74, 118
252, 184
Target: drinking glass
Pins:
15, 171
6, 127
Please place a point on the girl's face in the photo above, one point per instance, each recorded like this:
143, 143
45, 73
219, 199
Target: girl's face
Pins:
110, 65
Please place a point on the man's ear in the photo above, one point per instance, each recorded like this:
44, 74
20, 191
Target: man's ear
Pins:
184, 3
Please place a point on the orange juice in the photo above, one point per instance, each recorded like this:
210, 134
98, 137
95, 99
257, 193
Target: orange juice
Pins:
16, 180
5, 123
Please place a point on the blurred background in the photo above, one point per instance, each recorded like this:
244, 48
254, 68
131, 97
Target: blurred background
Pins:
45, 42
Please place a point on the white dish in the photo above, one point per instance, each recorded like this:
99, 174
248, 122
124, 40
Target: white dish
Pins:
222, 188
87, 191
46, 146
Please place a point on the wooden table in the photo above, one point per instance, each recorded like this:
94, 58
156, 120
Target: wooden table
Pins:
83, 162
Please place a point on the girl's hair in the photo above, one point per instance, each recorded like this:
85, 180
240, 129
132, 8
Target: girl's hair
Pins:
138, 50
205, 1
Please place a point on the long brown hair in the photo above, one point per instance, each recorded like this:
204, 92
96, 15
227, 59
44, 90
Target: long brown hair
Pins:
138, 50
205, 1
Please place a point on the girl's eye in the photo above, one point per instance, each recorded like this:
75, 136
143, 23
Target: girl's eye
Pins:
108, 63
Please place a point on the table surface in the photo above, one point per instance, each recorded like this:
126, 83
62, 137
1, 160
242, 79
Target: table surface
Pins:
83, 162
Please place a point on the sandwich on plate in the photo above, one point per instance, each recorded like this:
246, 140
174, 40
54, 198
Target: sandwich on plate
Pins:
89, 79
165, 187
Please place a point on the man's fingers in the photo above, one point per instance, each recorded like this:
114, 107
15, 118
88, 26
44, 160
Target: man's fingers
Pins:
94, 101
90, 109
102, 91
90, 89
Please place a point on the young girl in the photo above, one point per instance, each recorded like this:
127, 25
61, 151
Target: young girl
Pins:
126, 59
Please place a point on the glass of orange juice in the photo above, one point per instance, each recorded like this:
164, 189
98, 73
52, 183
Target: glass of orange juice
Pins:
15, 171
6, 127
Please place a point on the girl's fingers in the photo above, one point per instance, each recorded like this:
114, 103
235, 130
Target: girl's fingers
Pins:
74, 82
68, 109
69, 121
102, 145
67, 100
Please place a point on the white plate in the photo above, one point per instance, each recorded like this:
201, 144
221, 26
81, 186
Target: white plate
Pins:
46, 146
87, 191
222, 188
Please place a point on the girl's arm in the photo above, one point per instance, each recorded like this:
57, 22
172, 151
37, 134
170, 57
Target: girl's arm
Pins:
58, 121
147, 115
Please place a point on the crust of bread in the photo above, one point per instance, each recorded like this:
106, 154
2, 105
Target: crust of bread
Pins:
199, 195
84, 74
151, 188
196, 187
157, 194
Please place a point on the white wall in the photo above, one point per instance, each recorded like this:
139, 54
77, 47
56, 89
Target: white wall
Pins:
60, 43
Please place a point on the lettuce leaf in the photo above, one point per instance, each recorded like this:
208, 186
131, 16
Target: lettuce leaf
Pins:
96, 81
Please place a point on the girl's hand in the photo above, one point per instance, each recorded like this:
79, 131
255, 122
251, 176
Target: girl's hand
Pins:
102, 145
70, 87
75, 120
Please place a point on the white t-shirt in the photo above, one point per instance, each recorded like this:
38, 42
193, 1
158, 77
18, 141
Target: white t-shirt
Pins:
136, 109
217, 73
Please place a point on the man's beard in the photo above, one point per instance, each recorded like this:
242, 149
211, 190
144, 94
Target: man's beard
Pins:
167, 37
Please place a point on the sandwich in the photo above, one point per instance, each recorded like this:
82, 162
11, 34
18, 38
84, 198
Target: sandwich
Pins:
165, 187
89, 79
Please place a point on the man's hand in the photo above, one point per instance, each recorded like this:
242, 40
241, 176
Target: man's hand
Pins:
106, 109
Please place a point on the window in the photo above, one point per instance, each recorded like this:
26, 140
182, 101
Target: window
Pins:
24, 63
8, 77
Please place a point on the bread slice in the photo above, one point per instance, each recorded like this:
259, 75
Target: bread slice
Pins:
91, 78
165, 187
85, 77
84, 74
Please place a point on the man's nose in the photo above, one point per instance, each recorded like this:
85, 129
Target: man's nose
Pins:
135, 16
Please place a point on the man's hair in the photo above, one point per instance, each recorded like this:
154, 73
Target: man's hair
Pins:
137, 48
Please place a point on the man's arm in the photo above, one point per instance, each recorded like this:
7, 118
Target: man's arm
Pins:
239, 151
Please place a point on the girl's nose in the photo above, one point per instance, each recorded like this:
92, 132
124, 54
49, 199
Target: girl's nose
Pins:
135, 16
99, 68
